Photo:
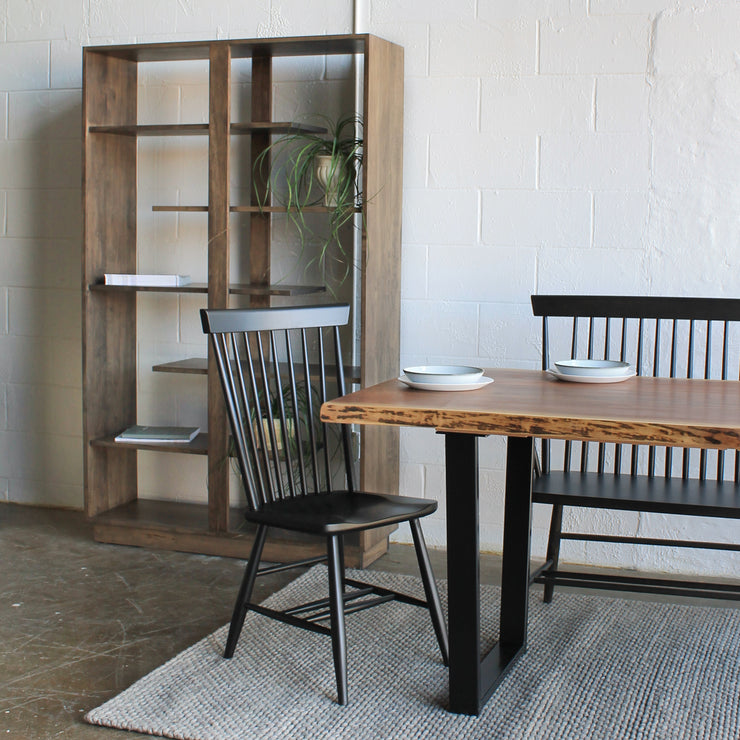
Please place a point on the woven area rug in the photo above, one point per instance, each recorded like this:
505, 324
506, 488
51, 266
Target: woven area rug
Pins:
595, 668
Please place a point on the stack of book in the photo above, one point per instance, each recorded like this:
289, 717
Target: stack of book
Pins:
151, 281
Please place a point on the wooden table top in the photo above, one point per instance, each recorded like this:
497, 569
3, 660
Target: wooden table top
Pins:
662, 411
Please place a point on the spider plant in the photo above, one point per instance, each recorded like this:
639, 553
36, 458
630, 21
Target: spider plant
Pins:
292, 179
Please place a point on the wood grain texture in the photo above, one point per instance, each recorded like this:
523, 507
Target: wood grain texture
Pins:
662, 411
241, 48
169, 129
218, 275
277, 127
199, 446
201, 129
179, 526
109, 337
382, 187
242, 209
381, 253
199, 366
233, 288
281, 209
180, 209
109, 321
260, 223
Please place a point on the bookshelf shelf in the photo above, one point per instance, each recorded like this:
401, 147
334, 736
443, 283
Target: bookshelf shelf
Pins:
234, 289
203, 129
244, 209
199, 366
199, 446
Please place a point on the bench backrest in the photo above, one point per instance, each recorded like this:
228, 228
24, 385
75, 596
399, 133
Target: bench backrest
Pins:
661, 337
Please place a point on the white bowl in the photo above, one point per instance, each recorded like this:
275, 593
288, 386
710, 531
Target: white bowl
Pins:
601, 368
448, 374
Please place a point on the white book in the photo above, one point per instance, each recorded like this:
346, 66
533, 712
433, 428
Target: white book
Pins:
157, 435
154, 281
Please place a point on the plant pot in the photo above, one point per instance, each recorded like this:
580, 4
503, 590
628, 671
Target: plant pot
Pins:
328, 171
276, 424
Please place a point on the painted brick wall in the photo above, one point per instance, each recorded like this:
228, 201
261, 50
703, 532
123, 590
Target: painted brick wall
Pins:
552, 145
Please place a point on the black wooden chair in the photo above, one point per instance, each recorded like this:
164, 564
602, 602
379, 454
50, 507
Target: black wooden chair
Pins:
673, 337
296, 475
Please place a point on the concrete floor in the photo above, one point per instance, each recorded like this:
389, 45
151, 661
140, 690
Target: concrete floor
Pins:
80, 621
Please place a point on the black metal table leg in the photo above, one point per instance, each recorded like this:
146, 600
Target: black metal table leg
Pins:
517, 541
473, 678
463, 571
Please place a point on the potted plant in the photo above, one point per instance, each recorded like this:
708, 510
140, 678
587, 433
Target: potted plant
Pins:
310, 170
269, 411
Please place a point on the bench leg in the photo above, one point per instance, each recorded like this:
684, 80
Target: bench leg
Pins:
553, 549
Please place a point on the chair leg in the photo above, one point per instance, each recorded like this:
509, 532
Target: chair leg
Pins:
245, 592
430, 590
340, 545
553, 549
336, 607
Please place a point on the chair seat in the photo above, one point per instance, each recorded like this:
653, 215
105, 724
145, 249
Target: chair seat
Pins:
639, 492
340, 511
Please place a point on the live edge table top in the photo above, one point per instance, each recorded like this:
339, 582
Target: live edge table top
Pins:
641, 410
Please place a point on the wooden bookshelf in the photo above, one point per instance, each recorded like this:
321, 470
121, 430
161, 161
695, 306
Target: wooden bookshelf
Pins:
111, 130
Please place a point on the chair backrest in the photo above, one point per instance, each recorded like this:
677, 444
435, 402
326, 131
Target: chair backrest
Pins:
661, 337
277, 366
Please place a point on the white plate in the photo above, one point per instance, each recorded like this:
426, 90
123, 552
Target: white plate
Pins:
443, 374
598, 368
591, 378
446, 386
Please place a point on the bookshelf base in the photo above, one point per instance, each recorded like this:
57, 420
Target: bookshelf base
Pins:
183, 527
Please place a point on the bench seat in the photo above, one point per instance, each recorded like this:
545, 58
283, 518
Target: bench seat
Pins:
639, 493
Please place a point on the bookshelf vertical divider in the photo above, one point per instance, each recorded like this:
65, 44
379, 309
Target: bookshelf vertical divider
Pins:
110, 134
219, 177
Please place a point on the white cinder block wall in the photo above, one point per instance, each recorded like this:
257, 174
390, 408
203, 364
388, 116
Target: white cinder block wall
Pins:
552, 145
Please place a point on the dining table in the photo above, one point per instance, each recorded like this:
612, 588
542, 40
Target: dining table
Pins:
522, 405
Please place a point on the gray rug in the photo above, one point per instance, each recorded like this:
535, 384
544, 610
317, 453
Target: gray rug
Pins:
595, 668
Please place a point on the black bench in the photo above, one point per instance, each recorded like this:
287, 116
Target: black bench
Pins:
671, 337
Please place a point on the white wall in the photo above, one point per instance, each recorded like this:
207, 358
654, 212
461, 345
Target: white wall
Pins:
551, 145
561, 147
